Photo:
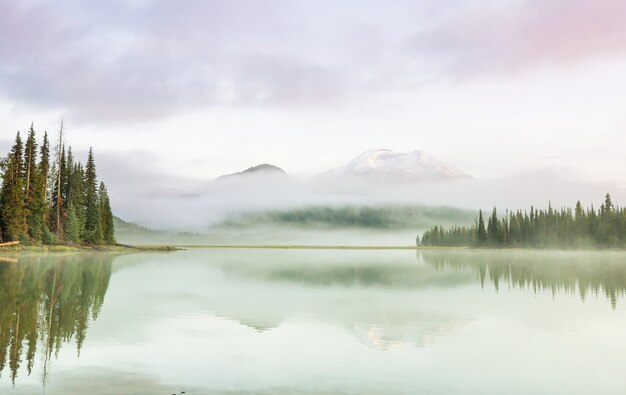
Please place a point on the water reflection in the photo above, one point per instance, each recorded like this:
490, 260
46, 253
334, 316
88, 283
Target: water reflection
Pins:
327, 269
557, 272
381, 298
46, 301
273, 321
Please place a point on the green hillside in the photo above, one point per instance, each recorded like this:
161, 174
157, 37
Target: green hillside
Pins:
389, 217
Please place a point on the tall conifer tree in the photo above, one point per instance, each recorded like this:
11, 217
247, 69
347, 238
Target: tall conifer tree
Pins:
482, 233
13, 213
34, 190
106, 216
93, 230
72, 225
30, 156
58, 212
43, 190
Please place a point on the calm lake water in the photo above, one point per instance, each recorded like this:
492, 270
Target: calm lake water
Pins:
314, 322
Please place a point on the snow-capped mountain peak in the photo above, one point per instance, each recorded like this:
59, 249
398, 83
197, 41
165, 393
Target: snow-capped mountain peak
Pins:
388, 165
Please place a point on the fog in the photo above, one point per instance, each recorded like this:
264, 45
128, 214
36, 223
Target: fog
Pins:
166, 201
233, 210
144, 194
274, 235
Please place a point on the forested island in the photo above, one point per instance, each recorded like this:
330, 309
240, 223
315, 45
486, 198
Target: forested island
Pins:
566, 227
52, 199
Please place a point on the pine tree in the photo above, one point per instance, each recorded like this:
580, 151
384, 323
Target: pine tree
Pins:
607, 232
106, 216
34, 186
493, 229
76, 195
608, 204
58, 212
93, 229
580, 224
36, 204
42, 190
482, 233
72, 225
17, 153
13, 223
30, 155
66, 180
44, 163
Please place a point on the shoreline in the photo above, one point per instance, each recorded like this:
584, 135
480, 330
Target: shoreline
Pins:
127, 248
16, 249
376, 247
312, 247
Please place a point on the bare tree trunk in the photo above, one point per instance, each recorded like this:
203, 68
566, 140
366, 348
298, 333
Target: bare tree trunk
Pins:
59, 183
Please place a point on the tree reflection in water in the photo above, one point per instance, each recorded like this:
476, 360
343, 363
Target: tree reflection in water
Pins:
558, 272
48, 300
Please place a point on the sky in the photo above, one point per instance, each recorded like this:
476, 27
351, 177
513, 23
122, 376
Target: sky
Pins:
192, 90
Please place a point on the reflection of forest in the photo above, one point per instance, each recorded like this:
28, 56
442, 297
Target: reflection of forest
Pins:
46, 301
566, 272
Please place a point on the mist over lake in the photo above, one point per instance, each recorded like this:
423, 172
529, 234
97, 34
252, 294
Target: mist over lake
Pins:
296, 321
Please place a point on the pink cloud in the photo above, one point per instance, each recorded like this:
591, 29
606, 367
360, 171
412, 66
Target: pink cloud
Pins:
533, 33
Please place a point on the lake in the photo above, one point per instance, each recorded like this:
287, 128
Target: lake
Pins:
262, 321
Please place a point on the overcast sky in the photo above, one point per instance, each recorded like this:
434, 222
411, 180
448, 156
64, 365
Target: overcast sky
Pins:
197, 89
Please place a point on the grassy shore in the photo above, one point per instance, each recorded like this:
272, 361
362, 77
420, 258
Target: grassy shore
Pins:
124, 248
318, 247
81, 248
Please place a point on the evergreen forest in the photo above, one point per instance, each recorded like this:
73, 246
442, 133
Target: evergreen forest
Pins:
578, 227
52, 198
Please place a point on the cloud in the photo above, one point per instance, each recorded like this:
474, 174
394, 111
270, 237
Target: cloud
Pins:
520, 36
126, 61
156, 59
5, 147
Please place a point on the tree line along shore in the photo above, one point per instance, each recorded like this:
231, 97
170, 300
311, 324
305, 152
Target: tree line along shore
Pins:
50, 198
566, 227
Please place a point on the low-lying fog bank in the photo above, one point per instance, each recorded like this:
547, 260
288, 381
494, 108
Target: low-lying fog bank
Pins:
194, 206
325, 225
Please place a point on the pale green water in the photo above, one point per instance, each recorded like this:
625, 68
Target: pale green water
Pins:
314, 322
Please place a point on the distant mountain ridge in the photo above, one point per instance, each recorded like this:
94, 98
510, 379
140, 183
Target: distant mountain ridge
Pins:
265, 169
377, 165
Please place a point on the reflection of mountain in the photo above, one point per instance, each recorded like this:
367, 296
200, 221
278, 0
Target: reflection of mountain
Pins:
420, 332
374, 300
46, 301
258, 324
568, 272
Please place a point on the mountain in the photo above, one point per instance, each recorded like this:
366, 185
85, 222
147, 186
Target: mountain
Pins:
398, 167
263, 169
